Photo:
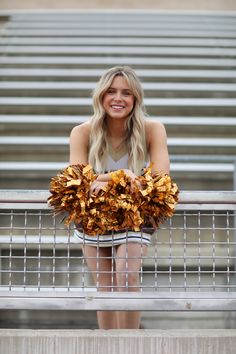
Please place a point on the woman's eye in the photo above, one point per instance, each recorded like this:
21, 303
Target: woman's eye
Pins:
126, 93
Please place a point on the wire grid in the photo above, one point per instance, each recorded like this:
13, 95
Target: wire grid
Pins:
193, 251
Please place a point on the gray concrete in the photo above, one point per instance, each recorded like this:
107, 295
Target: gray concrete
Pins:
209, 5
105, 62
117, 341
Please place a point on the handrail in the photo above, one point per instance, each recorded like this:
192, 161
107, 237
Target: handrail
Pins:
185, 197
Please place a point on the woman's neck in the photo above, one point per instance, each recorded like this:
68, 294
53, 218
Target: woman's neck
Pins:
116, 132
116, 128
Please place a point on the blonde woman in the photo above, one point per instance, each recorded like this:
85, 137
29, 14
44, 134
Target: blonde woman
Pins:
118, 136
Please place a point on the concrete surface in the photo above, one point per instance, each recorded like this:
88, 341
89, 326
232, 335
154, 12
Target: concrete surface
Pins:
117, 341
209, 5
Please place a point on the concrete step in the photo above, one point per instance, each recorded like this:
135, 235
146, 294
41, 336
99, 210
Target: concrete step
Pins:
56, 125
121, 41
145, 75
118, 51
84, 89
46, 148
109, 23
122, 24
53, 167
138, 341
83, 106
119, 15
191, 32
96, 62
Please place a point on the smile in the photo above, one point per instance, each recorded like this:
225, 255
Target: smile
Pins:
117, 107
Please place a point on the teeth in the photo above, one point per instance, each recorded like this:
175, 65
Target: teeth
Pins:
117, 106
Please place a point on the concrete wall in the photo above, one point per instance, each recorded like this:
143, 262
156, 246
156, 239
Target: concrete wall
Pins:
209, 5
117, 342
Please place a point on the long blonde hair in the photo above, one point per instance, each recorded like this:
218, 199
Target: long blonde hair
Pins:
135, 137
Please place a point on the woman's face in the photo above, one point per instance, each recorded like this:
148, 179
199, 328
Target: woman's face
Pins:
118, 100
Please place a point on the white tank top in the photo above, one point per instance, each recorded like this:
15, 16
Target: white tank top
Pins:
117, 165
117, 159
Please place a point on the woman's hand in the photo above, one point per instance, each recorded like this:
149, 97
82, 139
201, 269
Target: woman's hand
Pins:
96, 186
133, 178
130, 174
102, 181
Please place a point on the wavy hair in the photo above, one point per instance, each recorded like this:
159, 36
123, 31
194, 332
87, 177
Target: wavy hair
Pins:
135, 136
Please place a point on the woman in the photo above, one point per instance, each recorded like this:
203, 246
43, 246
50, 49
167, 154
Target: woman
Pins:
118, 137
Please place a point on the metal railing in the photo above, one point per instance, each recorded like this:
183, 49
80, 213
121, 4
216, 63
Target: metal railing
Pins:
190, 264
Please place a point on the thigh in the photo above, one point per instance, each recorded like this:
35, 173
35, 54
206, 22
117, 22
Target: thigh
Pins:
100, 263
129, 256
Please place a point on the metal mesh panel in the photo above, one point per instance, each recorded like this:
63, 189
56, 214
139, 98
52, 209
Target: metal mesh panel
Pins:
193, 251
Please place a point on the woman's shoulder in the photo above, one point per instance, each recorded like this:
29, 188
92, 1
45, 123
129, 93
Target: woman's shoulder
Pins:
153, 123
153, 128
81, 131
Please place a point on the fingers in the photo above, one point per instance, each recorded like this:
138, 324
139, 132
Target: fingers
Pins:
135, 182
96, 186
130, 174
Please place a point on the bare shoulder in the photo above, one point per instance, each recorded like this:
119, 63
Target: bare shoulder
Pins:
81, 132
157, 146
154, 124
154, 129
82, 129
79, 142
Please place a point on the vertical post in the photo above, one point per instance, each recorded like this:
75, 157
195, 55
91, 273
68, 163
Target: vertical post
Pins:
0, 266
234, 224
234, 176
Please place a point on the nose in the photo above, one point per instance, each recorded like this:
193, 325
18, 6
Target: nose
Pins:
118, 96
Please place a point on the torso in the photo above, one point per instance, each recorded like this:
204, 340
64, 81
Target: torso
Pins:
117, 159
148, 128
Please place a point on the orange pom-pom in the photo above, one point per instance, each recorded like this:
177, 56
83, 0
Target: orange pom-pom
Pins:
122, 204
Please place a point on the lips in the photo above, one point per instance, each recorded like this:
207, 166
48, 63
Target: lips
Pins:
117, 107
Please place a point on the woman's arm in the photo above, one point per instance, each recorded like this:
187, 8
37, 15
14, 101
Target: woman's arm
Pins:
79, 141
79, 144
157, 146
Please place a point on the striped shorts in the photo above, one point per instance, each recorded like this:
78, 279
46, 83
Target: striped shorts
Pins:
113, 239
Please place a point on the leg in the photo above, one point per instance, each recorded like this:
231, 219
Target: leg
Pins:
99, 261
128, 264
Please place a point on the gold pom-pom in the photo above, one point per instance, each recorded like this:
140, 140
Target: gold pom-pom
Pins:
159, 197
70, 191
121, 204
